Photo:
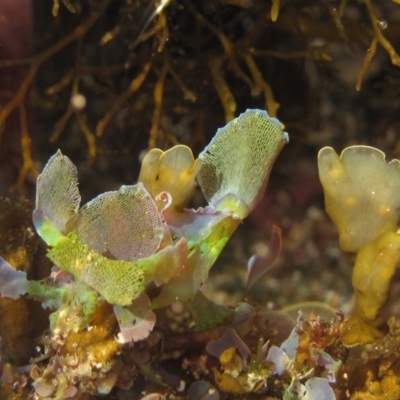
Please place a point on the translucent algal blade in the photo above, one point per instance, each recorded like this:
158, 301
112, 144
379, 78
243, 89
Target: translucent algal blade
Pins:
207, 231
123, 225
57, 196
136, 321
238, 161
259, 264
13, 283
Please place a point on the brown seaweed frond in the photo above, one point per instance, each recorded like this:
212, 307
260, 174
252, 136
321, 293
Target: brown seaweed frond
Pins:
222, 88
336, 14
171, 62
255, 81
28, 164
68, 5
369, 56
275, 9
160, 32
18, 99
75, 107
314, 52
378, 26
38, 60
134, 86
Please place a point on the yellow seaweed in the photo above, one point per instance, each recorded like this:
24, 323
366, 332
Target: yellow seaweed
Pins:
173, 171
362, 195
373, 271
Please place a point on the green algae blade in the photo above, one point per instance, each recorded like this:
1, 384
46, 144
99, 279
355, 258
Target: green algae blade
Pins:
118, 281
239, 159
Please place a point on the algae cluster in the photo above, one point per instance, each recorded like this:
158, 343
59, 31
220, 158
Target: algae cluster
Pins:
109, 80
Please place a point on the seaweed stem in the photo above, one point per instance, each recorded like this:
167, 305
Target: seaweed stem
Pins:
270, 103
134, 86
158, 100
394, 57
28, 164
222, 88
76, 34
367, 62
336, 16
